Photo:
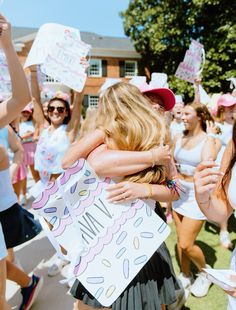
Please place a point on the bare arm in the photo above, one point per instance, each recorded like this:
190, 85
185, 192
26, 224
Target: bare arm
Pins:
4, 163
82, 148
73, 126
20, 91
207, 181
38, 114
17, 149
210, 149
124, 191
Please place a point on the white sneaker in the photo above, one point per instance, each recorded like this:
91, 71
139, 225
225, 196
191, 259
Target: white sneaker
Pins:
23, 200
225, 240
56, 267
201, 285
181, 297
185, 282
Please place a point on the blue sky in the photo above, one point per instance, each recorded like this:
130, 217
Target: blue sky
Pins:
99, 16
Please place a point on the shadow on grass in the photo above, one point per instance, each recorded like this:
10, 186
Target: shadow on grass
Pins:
209, 253
215, 228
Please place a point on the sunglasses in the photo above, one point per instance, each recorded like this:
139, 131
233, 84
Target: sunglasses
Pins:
59, 109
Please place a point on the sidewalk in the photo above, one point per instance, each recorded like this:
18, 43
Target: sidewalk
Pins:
35, 256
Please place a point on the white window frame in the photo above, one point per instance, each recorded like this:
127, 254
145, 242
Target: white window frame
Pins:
99, 71
93, 101
135, 68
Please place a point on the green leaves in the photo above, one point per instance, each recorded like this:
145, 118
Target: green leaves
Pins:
161, 31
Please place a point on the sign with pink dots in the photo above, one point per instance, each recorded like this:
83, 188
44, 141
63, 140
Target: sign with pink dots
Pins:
107, 243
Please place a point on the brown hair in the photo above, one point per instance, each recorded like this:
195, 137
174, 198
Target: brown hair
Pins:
66, 105
202, 112
227, 174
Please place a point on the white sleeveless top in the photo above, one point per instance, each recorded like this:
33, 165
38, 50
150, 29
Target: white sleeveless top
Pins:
51, 147
7, 195
187, 160
232, 187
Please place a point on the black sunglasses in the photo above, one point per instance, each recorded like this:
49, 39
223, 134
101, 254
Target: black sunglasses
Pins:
59, 109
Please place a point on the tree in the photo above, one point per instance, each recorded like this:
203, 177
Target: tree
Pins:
161, 31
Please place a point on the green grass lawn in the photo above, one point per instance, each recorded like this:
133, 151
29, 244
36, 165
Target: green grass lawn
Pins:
216, 256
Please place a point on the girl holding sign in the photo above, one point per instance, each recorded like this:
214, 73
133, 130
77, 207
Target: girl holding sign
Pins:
130, 130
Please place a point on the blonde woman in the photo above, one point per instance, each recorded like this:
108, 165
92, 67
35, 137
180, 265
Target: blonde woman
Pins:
196, 143
131, 132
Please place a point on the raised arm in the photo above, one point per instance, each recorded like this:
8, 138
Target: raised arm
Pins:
38, 114
12, 107
213, 144
73, 126
17, 150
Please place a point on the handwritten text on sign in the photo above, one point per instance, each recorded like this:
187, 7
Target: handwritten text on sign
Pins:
117, 240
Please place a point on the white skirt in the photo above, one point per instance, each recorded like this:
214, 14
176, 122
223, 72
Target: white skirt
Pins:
187, 204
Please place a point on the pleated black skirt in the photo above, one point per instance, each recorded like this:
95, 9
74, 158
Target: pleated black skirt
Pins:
153, 286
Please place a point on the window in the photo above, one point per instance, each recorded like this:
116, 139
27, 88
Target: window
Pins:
95, 68
93, 101
130, 68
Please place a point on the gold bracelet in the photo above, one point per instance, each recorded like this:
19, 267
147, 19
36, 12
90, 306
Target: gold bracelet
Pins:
149, 190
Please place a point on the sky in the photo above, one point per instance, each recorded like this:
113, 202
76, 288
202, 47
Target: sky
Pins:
99, 16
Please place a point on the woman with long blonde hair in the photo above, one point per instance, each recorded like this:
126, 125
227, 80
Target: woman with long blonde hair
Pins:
130, 138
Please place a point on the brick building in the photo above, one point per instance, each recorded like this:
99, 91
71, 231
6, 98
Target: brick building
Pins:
111, 57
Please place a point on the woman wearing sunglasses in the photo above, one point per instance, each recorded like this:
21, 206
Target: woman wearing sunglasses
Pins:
56, 138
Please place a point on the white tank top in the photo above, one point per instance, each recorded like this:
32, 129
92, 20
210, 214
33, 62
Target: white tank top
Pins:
7, 195
232, 187
187, 160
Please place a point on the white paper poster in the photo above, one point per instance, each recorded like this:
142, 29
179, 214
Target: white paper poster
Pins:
108, 243
5, 81
189, 69
58, 50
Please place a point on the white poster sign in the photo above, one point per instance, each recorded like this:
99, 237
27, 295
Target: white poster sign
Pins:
47, 36
188, 70
58, 50
5, 81
107, 243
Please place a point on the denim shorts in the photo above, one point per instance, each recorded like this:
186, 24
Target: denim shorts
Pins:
3, 250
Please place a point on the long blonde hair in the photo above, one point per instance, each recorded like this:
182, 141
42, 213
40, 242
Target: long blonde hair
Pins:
130, 123
89, 123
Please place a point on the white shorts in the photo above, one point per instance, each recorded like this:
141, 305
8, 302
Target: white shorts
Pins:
187, 204
3, 250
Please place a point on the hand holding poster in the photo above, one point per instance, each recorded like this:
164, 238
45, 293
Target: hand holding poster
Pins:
58, 50
107, 243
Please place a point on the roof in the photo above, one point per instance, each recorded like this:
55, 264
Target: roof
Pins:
101, 45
